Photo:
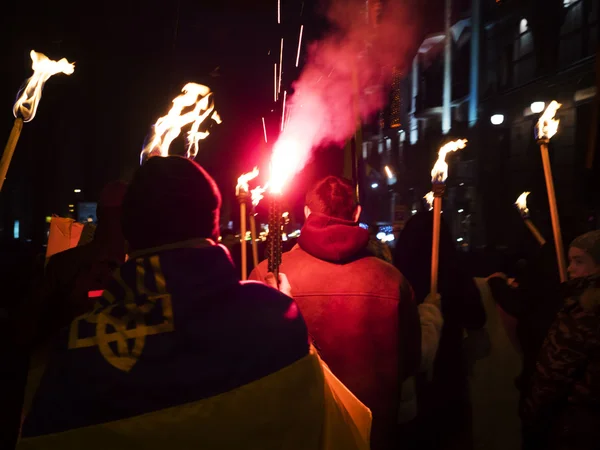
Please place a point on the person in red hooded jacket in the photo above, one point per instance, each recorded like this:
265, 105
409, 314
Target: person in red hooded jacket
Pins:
360, 310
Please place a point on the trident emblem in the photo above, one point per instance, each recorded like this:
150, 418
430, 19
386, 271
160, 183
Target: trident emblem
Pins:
120, 329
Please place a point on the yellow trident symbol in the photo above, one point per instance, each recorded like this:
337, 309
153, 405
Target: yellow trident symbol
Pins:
129, 325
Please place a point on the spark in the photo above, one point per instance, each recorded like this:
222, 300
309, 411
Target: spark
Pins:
280, 66
283, 110
278, 11
264, 129
299, 45
275, 83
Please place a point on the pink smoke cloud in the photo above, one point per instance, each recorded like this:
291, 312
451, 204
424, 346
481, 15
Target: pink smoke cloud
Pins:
357, 56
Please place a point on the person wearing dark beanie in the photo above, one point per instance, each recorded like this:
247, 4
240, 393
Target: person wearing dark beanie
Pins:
178, 352
169, 200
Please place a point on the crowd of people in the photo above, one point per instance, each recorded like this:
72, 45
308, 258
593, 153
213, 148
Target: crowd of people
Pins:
146, 337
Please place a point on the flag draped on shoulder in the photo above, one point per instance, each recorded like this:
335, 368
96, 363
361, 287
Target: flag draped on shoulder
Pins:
179, 354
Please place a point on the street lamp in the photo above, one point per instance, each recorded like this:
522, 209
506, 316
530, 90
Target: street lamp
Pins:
497, 119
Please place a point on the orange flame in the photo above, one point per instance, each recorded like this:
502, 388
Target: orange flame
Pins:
167, 128
522, 203
439, 173
547, 126
43, 68
242, 184
429, 199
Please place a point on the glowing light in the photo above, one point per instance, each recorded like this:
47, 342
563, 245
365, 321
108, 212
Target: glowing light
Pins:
43, 68
285, 160
77, 191
537, 107
547, 126
299, 45
439, 173
523, 26
264, 128
497, 119
381, 235
278, 11
522, 203
388, 172
168, 127
414, 211
429, 199
459, 240
285, 215
375, 185
242, 182
460, 211
71, 206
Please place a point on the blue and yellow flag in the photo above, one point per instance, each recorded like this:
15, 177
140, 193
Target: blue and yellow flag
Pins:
179, 354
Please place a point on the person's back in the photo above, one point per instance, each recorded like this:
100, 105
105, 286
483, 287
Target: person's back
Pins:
445, 400
178, 352
359, 309
71, 277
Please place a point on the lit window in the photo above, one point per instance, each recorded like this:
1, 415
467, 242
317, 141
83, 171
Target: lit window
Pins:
524, 26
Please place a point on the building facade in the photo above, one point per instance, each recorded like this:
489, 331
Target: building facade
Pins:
486, 77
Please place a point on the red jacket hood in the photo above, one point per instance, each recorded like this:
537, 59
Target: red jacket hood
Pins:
331, 239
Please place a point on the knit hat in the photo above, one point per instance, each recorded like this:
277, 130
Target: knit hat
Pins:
170, 199
590, 243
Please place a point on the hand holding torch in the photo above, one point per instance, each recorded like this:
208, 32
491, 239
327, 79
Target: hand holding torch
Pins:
546, 128
26, 105
522, 206
439, 173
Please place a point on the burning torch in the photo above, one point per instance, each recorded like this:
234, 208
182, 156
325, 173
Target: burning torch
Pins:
168, 128
26, 105
274, 239
283, 165
524, 210
546, 128
439, 173
257, 195
241, 192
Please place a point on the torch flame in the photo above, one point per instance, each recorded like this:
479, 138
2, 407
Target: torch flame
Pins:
167, 128
258, 194
547, 126
242, 184
522, 203
43, 68
439, 173
429, 199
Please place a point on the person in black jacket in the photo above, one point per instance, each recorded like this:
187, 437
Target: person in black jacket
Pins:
444, 403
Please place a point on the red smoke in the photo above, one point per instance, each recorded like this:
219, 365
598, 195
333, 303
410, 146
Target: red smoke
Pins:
359, 55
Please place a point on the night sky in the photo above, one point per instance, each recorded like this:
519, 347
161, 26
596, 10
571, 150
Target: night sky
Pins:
132, 58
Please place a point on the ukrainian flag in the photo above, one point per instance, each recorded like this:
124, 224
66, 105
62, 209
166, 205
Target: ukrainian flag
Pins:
158, 368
